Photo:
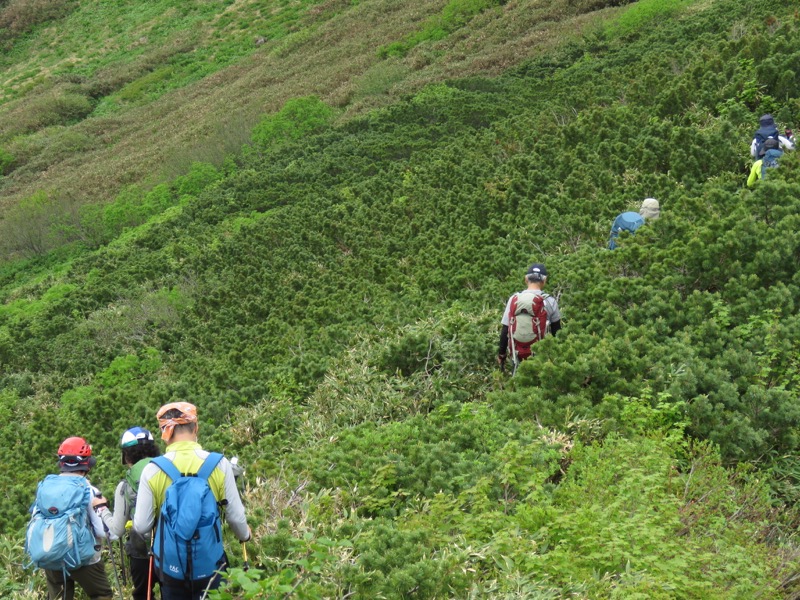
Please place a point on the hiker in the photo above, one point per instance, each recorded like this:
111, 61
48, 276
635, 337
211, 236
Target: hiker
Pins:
789, 135
766, 131
769, 160
631, 221
138, 448
64, 535
192, 484
529, 315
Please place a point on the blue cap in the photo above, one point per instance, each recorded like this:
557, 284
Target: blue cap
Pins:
134, 436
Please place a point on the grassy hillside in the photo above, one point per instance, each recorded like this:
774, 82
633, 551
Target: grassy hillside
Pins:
329, 297
99, 95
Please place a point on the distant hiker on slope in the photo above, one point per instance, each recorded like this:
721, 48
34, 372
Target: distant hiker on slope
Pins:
184, 490
631, 221
769, 160
768, 130
64, 533
138, 449
529, 315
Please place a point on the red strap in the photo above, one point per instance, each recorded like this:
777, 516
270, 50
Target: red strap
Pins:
512, 311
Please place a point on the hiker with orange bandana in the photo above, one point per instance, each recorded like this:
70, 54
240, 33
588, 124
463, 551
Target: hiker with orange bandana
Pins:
186, 466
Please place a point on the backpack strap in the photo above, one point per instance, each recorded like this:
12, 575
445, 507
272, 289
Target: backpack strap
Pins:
210, 463
134, 474
512, 308
205, 471
166, 465
512, 318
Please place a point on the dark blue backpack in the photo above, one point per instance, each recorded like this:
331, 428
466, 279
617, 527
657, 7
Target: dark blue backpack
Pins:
627, 221
762, 135
188, 540
59, 535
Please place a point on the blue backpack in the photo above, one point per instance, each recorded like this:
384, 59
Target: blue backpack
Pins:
188, 540
770, 161
627, 221
59, 535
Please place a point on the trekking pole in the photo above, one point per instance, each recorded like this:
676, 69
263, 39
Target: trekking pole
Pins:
246, 565
150, 567
513, 357
122, 569
114, 565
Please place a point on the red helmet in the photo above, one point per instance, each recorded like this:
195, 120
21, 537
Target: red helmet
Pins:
75, 454
75, 446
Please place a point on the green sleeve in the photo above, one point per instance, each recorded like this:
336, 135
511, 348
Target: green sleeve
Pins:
755, 174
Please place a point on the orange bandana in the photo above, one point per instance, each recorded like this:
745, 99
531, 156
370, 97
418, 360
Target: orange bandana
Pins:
188, 415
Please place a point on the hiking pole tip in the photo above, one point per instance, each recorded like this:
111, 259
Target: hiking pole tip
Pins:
245, 565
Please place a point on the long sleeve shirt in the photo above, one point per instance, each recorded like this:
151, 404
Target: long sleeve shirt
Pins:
115, 521
755, 173
188, 458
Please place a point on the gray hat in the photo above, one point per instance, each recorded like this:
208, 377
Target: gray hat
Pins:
650, 209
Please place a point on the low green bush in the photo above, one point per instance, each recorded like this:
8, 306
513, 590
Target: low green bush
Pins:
6, 161
298, 117
56, 108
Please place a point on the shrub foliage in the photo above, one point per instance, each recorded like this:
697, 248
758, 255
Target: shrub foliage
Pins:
330, 299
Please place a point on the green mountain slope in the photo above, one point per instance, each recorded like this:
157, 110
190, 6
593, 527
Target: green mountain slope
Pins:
108, 94
330, 298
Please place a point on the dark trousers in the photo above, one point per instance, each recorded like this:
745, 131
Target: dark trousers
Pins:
193, 592
140, 572
92, 578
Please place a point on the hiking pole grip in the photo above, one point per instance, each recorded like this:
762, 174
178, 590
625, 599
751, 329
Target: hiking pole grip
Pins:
245, 565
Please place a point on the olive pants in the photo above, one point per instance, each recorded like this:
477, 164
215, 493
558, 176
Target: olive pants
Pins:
92, 578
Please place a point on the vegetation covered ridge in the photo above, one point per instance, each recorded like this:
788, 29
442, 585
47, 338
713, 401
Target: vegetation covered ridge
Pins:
330, 300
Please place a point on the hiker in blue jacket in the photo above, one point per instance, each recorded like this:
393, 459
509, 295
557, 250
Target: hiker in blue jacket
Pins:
631, 221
